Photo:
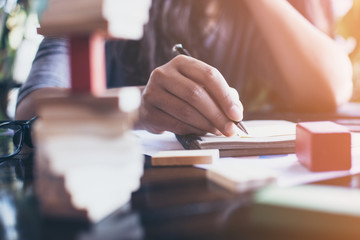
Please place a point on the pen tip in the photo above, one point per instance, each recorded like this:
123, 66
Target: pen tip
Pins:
241, 127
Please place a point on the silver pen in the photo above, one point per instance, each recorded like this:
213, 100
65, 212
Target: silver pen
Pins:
181, 50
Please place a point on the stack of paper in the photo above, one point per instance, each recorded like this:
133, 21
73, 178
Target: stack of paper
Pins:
87, 161
117, 18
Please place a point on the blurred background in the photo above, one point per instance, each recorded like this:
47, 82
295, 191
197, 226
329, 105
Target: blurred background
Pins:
348, 30
18, 45
19, 42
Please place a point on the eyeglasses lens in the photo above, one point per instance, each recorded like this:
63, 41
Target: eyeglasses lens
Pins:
10, 139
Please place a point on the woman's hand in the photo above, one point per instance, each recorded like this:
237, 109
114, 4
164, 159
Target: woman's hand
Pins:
188, 96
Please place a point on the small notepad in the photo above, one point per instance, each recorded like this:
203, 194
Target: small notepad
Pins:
265, 137
184, 157
239, 178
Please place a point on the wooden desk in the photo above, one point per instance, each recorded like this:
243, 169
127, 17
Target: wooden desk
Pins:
172, 203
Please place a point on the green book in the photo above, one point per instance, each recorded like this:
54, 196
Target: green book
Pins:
309, 210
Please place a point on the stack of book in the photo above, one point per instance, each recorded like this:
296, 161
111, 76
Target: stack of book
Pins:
87, 160
86, 23
121, 19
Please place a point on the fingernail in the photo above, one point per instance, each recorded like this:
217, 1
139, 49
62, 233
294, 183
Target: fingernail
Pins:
236, 113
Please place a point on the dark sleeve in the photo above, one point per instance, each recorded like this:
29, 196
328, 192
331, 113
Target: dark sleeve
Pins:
50, 67
122, 64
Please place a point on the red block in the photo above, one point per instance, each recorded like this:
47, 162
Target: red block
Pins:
87, 64
323, 146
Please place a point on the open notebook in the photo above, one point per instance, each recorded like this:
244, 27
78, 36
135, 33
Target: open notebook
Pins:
265, 137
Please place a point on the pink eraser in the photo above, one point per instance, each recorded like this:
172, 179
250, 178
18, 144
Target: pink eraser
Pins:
323, 146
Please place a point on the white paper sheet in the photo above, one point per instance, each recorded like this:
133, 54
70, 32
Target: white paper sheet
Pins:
153, 143
289, 171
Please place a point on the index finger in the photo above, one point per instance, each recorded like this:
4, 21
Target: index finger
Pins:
214, 83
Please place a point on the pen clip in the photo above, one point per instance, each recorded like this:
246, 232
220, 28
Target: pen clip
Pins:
178, 48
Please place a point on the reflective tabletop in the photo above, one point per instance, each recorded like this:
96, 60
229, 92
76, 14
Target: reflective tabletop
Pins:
172, 203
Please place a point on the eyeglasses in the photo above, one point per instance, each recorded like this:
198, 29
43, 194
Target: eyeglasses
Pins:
13, 134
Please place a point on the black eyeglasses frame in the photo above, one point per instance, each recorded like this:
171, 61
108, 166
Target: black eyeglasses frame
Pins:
25, 134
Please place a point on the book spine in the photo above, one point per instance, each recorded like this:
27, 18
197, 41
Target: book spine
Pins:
87, 64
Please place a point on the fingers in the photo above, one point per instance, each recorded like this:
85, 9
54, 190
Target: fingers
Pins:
188, 96
184, 112
156, 121
166, 111
214, 83
238, 105
198, 98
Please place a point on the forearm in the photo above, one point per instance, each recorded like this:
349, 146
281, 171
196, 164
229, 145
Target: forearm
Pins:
26, 109
317, 72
